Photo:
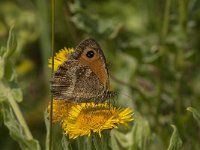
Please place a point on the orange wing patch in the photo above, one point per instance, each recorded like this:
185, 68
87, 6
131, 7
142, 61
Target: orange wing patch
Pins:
98, 67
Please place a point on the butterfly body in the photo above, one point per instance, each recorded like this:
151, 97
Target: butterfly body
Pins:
84, 76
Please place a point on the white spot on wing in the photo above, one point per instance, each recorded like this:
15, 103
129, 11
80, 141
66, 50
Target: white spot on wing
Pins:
88, 72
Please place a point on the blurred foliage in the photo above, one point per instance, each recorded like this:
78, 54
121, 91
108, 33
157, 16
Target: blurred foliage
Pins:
175, 141
9, 96
152, 50
196, 114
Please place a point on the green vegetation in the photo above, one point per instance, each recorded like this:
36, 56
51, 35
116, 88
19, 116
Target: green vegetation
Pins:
152, 49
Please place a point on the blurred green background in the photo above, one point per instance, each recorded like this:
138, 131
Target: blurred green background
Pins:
152, 49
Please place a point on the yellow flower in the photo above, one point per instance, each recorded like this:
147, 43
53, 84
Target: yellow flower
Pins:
61, 109
79, 119
60, 57
87, 118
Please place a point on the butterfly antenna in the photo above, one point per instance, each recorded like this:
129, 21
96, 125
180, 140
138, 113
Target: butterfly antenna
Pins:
127, 96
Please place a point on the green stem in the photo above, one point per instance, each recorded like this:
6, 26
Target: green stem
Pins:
166, 18
97, 142
89, 143
183, 5
52, 50
105, 140
17, 111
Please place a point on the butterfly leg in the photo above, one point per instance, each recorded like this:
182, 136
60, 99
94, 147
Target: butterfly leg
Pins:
100, 100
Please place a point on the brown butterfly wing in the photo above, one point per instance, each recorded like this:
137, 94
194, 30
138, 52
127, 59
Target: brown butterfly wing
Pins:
97, 64
81, 78
74, 81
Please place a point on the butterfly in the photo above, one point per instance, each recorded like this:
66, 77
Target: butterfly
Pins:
83, 77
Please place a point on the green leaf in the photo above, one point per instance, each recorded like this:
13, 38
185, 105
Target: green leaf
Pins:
11, 44
6, 68
9, 72
16, 130
175, 141
2, 98
196, 114
138, 138
11, 89
17, 94
141, 133
119, 140
65, 143
2, 92
2, 51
